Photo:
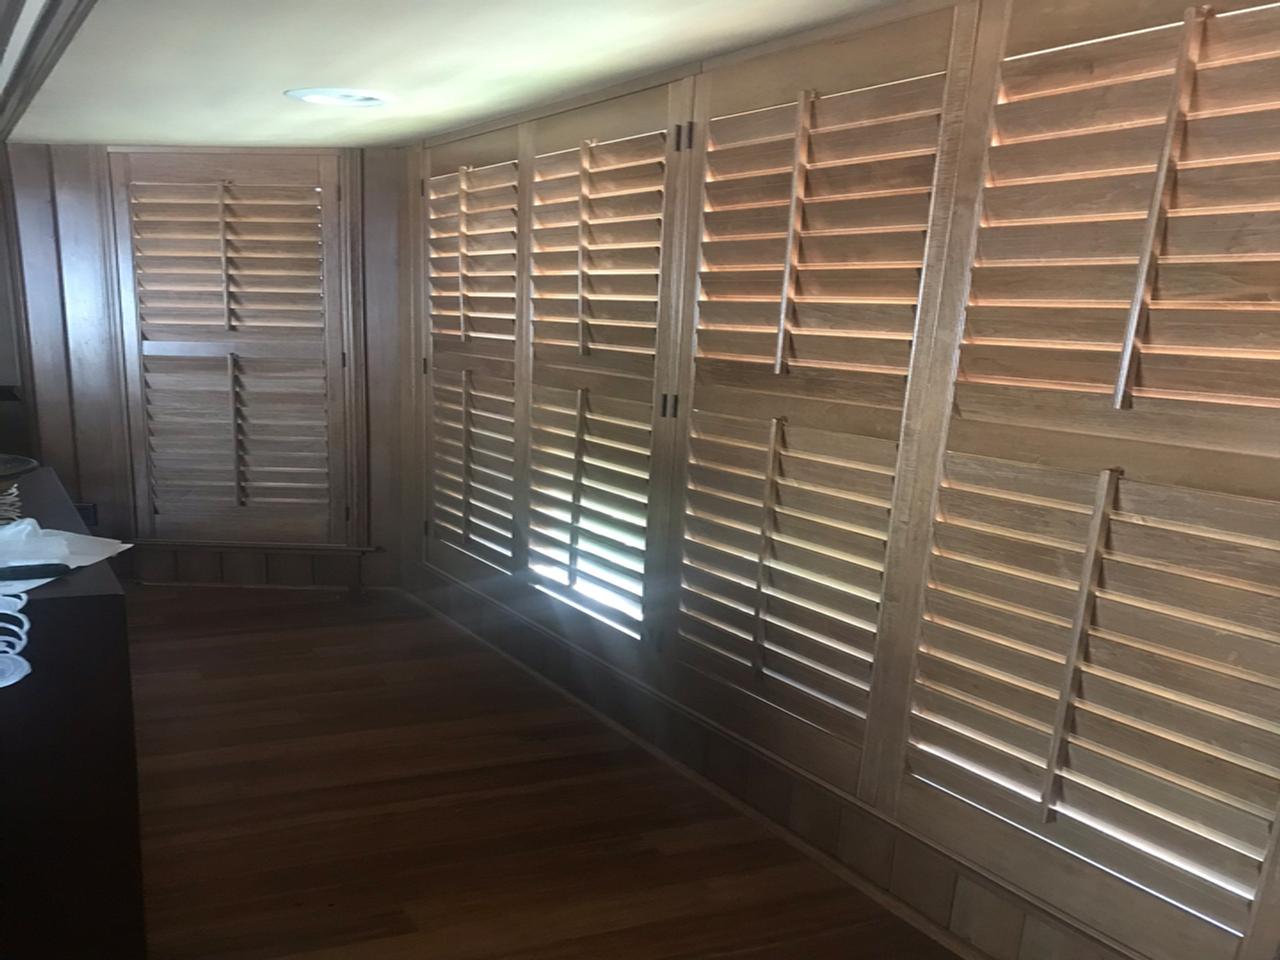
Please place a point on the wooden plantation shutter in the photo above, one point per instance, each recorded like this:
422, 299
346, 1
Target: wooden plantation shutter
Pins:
471, 249
599, 263
232, 283
815, 220
1092, 710
962, 493
1097, 663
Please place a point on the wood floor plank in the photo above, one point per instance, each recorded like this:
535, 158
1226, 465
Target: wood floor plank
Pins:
334, 779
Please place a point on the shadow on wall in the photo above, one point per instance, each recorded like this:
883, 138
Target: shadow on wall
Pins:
15, 433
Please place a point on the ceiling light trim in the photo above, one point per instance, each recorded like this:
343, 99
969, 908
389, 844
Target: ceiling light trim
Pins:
338, 97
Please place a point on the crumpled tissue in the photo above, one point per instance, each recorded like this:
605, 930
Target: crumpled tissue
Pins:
24, 542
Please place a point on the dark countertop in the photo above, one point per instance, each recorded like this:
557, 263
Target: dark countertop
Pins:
70, 868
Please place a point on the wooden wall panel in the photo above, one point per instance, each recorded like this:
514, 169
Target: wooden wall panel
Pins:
17, 413
50, 393
65, 226
385, 204
91, 317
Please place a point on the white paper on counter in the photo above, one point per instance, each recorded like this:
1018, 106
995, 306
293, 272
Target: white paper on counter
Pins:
25, 542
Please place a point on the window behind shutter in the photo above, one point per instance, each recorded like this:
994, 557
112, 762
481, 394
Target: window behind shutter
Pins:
234, 312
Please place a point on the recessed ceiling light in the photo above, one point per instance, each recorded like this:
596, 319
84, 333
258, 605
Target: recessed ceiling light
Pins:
338, 97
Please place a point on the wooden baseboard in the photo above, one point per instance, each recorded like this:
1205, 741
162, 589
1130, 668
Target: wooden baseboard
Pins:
974, 915
243, 565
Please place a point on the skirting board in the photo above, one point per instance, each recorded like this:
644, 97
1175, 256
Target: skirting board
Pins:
243, 565
948, 900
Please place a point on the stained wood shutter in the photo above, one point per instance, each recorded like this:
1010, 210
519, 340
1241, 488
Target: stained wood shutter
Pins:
815, 225
233, 311
472, 239
1098, 663
598, 254
1092, 712
1080, 670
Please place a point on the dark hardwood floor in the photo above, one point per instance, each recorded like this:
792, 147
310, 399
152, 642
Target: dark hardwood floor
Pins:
325, 779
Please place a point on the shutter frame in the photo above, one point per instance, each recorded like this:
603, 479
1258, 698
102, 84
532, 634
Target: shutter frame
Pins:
217, 287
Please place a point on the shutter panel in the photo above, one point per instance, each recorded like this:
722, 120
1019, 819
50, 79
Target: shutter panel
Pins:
600, 218
472, 236
815, 220
1096, 669
234, 311
1131, 719
1109, 193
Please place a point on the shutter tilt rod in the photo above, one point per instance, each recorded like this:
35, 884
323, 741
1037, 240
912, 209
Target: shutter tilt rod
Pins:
462, 254
1153, 233
466, 456
222, 254
579, 471
769, 496
1095, 546
237, 431
795, 223
584, 188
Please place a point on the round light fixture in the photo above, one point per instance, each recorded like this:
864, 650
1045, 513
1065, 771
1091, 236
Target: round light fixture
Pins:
338, 97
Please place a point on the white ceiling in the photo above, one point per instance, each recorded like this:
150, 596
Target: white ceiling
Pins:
206, 73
